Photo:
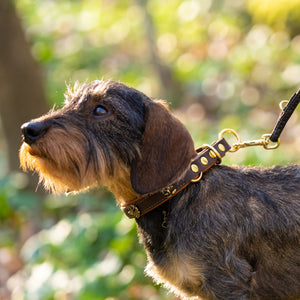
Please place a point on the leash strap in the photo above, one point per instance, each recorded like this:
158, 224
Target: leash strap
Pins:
208, 156
285, 116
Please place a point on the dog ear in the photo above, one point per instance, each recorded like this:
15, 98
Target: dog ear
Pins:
166, 151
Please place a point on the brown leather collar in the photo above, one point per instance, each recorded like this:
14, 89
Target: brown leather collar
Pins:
208, 155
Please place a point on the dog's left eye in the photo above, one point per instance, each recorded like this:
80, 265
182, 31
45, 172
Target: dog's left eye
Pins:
100, 111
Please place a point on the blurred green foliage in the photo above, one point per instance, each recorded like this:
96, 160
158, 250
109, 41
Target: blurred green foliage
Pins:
233, 61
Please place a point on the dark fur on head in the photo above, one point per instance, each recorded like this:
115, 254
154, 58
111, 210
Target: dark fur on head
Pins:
233, 235
79, 149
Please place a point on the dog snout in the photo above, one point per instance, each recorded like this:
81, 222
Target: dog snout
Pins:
32, 131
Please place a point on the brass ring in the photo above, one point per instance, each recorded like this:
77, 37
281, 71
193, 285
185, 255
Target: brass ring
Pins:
198, 178
229, 130
283, 104
266, 138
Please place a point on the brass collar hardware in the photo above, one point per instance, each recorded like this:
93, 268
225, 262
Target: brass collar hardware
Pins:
198, 178
168, 191
133, 212
194, 168
214, 152
165, 220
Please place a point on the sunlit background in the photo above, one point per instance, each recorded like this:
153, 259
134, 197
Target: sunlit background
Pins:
218, 63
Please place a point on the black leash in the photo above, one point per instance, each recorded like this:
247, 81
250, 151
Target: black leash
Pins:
285, 116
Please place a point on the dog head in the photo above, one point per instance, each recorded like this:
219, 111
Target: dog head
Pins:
103, 129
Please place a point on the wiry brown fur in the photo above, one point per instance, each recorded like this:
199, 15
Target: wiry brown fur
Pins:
63, 169
233, 235
67, 158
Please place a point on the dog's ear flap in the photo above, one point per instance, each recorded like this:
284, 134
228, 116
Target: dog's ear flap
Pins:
166, 151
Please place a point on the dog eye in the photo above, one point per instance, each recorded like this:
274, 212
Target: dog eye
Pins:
100, 111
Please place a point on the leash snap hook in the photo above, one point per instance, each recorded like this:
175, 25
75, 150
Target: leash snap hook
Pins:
266, 142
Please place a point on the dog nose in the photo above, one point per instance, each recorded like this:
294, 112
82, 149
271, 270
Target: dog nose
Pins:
32, 131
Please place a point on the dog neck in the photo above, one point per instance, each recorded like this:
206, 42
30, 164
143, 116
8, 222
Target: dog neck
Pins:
120, 185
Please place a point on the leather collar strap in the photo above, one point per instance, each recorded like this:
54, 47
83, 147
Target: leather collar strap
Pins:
208, 155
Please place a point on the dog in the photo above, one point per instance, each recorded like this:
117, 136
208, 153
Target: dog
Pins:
233, 233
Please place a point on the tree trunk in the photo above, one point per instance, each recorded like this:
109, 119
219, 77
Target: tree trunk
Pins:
21, 88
